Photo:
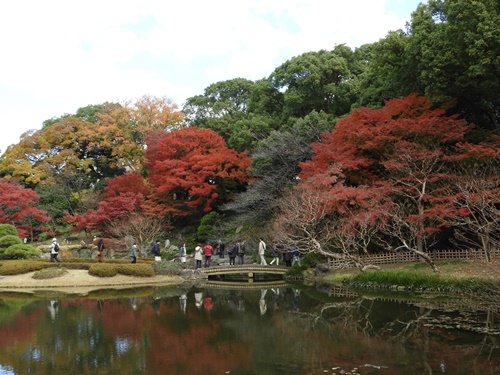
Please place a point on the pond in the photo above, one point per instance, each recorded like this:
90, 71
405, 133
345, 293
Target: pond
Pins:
283, 329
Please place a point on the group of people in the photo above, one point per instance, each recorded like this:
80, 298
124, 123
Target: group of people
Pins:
290, 256
236, 250
205, 253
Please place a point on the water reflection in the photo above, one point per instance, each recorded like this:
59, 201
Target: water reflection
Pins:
279, 330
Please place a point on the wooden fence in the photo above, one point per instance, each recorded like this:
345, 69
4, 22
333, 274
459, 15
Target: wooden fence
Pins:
407, 256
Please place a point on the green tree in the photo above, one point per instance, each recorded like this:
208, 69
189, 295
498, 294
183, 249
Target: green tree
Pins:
450, 53
275, 166
321, 81
458, 44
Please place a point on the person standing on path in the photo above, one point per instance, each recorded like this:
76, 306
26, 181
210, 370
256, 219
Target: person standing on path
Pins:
182, 254
240, 251
133, 253
232, 253
262, 252
221, 247
198, 255
208, 250
296, 254
100, 250
287, 255
54, 251
275, 254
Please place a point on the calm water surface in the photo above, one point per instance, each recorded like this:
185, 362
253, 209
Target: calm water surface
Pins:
281, 330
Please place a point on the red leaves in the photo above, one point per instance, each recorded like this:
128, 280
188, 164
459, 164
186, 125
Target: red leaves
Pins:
123, 197
401, 154
17, 204
193, 169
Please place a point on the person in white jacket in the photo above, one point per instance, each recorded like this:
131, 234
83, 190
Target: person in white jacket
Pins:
262, 252
54, 251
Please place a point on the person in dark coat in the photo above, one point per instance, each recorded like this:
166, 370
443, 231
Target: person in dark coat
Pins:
288, 258
156, 251
275, 254
240, 252
231, 252
221, 247
100, 250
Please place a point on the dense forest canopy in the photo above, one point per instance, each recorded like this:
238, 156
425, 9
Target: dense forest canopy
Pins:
359, 148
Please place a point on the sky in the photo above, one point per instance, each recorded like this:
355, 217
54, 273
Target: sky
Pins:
59, 55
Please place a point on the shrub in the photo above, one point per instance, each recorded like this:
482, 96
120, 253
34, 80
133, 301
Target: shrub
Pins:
110, 270
311, 260
206, 229
20, 251
169, 254
167, 268
294, 273
18, 267
49, 273
7, 230
9, 240
141, 270
103, 270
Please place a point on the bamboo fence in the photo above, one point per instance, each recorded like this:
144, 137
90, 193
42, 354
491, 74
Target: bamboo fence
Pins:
407, 256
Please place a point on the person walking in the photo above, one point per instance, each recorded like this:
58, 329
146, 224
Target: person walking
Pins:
54, 251
100, 250
208, 250
262, 252
133, 253
182, 254
275, 254
240, 252
156, 251
231, 252
198, 255
296, 254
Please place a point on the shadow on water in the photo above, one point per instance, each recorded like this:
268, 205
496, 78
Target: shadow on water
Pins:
259, 328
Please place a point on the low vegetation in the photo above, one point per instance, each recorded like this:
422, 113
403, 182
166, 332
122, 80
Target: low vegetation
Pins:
454, 275
49, 273
108, 269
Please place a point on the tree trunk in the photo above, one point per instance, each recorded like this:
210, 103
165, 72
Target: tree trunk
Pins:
427, 259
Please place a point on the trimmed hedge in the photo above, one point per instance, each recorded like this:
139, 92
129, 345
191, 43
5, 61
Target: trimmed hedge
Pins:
20, 251
103, 270
110, 270
9, 240
7, 230
18, 267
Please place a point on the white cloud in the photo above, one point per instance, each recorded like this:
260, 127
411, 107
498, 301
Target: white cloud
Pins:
62, 55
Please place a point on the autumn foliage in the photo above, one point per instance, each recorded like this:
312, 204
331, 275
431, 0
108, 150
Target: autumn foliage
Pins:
389, 168
18, 208
193, 170
124, 196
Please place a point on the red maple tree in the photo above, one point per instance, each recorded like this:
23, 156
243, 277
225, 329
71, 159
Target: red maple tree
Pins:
403, 150
18, 208
193, 170
124, 196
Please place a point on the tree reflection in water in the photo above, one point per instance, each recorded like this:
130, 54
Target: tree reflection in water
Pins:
281, 330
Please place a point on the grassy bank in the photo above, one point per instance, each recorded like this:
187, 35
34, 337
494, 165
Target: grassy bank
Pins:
454, 275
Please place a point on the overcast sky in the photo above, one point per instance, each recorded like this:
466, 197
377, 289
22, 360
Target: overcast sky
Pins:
58, 56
